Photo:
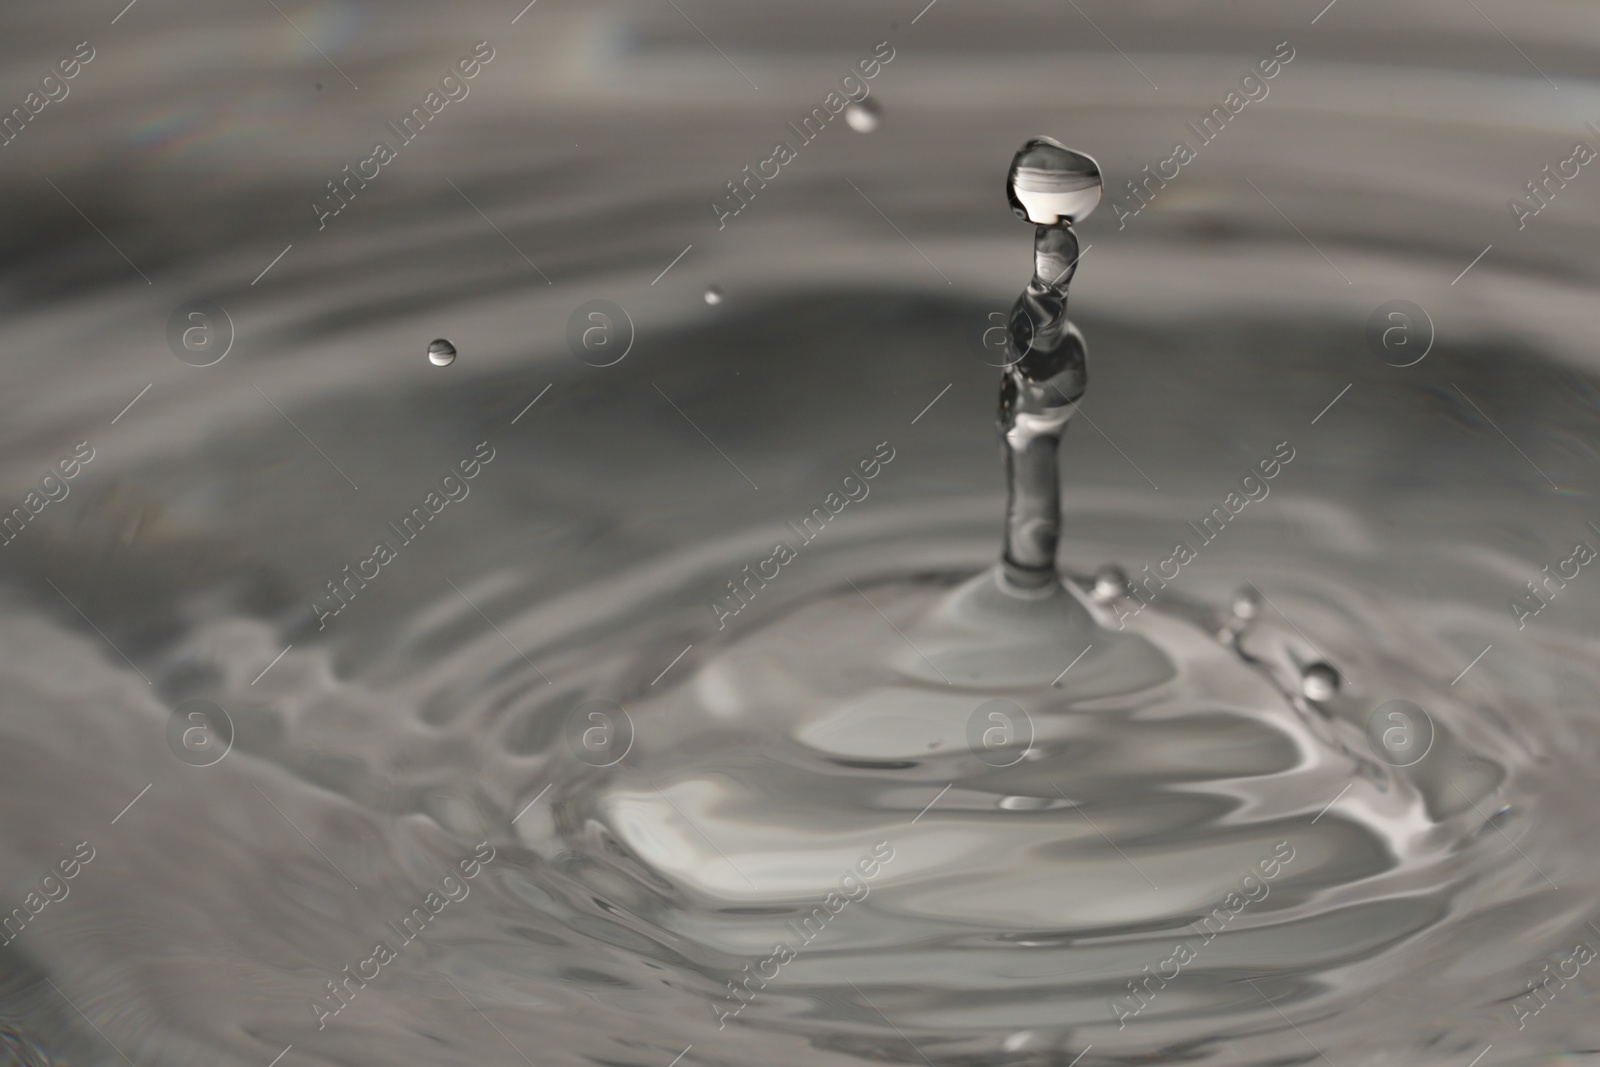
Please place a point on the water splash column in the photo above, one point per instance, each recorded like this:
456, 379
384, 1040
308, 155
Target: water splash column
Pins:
1051, 186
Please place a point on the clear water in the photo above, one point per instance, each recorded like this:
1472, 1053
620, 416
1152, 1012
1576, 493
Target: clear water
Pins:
970, 822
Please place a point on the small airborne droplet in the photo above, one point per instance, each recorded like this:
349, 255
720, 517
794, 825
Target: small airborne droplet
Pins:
864, 116
1319, 682
714, 294
441, 353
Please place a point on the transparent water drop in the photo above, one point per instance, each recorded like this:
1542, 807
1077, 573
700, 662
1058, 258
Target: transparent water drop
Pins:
441, 353
714, 294
864, 115
1051, 183
1246, 602
1319, 681
1110, 582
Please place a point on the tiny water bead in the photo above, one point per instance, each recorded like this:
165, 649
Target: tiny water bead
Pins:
1110, 582
714, 294
1319, 682
864, 116
441, 353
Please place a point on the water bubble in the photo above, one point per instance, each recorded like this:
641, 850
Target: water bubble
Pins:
1110, 582
1319, 682
1400, 733
441, 353
1400, 333
999, 732
714, 294
599, 333
599, 733
199, 332
1051, 183
864, 115
199, 733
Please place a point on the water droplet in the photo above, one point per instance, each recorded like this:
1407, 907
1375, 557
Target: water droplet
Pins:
714, 294
864, 115
1110, 582
441, 353
1319, 682
1246, 602
1051, 183
1017, 1040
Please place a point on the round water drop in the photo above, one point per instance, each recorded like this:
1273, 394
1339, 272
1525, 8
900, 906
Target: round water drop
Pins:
1050, 183
864, 116
714, 294
1246, 603
1319, 682
1110, 582
441, 353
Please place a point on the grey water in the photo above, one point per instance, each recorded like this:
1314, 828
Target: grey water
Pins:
636, 687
